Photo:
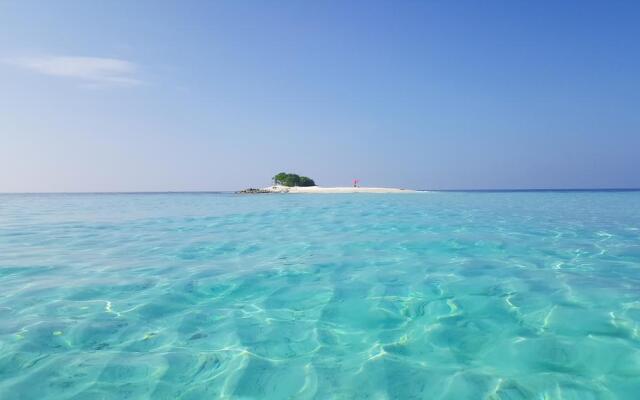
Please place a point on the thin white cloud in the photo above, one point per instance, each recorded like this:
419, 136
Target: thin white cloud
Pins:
94, 71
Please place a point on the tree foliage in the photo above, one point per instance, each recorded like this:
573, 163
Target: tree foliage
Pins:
290, 180
279, 178
304, 181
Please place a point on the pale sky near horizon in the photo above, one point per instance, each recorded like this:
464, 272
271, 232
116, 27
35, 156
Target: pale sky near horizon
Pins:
203, 95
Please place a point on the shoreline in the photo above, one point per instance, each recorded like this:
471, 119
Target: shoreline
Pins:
325, 190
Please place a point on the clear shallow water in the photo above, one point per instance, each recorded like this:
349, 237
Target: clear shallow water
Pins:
425, 296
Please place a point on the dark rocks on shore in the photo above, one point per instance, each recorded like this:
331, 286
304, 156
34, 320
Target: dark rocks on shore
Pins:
254, 191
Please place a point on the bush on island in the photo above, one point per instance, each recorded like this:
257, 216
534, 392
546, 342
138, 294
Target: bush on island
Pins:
304, 181
290, 180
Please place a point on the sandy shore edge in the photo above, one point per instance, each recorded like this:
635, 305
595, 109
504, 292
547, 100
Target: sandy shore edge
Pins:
321, 189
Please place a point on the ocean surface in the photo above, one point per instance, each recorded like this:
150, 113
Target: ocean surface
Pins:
508, 295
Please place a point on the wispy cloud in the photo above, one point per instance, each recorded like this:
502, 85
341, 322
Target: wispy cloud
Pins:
93, 71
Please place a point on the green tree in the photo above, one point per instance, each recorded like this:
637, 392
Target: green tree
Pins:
280, 178
305, 181
290, 180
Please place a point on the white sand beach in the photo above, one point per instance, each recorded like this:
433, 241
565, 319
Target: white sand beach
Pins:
344, 189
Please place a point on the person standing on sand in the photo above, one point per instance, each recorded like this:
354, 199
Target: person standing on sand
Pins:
355, 182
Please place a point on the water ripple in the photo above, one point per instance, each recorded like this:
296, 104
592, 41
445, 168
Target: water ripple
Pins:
426, 296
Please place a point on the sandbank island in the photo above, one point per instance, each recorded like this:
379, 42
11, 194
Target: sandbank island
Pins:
293, 183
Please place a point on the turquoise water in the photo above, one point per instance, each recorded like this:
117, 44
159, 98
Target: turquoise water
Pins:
418, 296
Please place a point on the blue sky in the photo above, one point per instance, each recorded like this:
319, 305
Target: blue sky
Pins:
200, 95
